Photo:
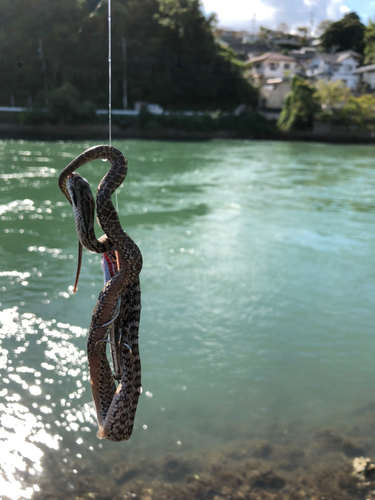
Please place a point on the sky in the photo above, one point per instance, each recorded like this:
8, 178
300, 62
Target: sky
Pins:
239, 14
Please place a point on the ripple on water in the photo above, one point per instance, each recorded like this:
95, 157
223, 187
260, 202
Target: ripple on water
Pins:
257, 311
35, 412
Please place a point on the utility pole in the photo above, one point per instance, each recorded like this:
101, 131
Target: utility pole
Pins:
253, 28
124, 75
44, 70
311, 23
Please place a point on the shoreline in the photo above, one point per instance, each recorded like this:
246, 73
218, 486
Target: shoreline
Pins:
100, 132
326, 463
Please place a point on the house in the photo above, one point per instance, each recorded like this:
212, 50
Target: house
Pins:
242, 42
272, 94
255, 49
272, 73
279, 38
246, 50
271, 65
333, 67
304, 53
366, 74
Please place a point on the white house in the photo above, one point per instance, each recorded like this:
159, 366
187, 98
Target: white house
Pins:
332, 67
271, 65
367, 75
272, 94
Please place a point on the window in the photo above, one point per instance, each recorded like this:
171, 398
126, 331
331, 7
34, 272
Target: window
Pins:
287, 66
258, 65
273, 66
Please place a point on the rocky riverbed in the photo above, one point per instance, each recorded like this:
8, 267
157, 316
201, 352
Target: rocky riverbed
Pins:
325, 464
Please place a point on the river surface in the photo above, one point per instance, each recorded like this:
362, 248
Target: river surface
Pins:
258, 291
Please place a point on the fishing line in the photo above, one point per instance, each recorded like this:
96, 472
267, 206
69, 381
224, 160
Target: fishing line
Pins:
110, 81
109, 73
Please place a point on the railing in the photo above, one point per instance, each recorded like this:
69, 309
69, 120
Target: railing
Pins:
119, 112
129, 112
12, 109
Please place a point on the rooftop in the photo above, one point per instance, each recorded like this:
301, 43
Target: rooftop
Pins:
366, 69
338, 57
271, 57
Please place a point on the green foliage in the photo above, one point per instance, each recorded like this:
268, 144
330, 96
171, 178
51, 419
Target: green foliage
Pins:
332, 97
248, 124
64, 107
303, 32
171, 56
322, 26
360, 110
339, 107
64, 104
356, 111
300, 106
370, 43
345, 34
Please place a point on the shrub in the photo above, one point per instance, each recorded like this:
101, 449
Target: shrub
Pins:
299, 107
248, 124
338, 106
64, 107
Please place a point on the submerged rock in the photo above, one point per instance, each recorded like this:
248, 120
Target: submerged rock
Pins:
267, 480
364, 469
331, 440
278, 466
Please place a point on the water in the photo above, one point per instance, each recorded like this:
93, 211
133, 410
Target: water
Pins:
257, 319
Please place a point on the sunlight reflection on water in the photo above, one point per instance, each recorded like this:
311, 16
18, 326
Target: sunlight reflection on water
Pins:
257, 303
32, 414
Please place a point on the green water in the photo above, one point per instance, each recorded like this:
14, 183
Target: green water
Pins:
257, 297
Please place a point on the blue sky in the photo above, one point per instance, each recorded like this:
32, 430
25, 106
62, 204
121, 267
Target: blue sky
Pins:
240, 13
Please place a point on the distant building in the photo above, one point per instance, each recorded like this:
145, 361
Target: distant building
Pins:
242, 42
246, 50
303, 54
333, 67
272, 93
233, 35
366, 74
272, 73
271, 65
279, 38
287, 41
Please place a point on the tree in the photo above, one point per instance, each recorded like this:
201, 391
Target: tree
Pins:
339, 106
24, 25
346, 34
331, 97
265, 34
303, 31
370, 43
172, 57
323, 26
300, 106
360, 110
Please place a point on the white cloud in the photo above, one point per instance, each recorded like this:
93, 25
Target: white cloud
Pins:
239, 10
270, 13
344, 9
333, 9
